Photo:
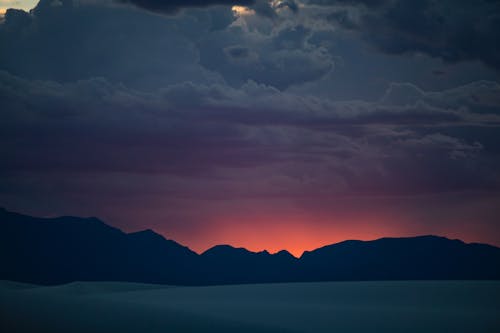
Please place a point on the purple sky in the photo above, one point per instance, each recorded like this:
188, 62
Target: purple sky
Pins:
273, 124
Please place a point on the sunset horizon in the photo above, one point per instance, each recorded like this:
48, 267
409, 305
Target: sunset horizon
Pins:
295, 242
257, 166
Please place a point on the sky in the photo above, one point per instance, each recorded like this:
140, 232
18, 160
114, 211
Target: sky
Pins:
17, 4
284, 124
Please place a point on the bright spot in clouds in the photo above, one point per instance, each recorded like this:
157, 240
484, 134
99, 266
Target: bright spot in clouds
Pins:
242, 11
18, 4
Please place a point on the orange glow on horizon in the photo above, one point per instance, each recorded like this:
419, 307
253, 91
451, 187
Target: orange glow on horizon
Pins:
275, 225
296, 242
295, 236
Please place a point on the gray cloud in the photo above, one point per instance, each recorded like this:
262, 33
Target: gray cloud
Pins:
449, 30
192, 130
370, 3
280, 59
99, 40
81, 41
172, 6
263, 8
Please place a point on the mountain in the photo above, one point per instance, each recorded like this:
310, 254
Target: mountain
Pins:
65, 249
225, 264
415, 258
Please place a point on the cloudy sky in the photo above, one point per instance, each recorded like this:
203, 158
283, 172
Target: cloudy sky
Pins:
264, 124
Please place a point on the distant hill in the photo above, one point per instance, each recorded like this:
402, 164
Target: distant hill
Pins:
225, 264
65, 249
414, 258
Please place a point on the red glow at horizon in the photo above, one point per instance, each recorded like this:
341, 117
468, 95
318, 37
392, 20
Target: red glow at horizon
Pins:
275, 225
294, 235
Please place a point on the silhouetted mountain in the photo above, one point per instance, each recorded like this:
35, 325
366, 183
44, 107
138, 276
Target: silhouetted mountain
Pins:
226, 264
415, 258
64, 249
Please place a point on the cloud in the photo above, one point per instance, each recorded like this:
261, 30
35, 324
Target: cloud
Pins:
281, 58
193, 130
449, 30
198, 94
251, 152
290, 4
264, 8
85, 40
72, 42
173, 6
369, 3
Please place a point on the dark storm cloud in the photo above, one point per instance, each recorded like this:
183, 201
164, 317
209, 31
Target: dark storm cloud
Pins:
237, 51
188, 130
172, 6
72, 42
263, 8
370, 3
290, 4
342, 18
86, 40
450, 30
280, 59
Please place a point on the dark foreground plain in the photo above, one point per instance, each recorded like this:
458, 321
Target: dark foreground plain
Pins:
395, 306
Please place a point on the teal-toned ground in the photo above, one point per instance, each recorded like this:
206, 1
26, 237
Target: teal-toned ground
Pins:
406, 306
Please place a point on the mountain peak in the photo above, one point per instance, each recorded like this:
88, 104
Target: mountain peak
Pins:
97, 251
145, 232
224, 249
285, 254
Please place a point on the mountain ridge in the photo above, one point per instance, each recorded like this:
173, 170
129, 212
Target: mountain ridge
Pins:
68, 248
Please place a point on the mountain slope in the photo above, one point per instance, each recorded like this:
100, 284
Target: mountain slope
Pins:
64, 249
415, 258
68, 248
225, 264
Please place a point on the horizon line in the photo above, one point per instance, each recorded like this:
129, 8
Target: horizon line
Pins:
95, 218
